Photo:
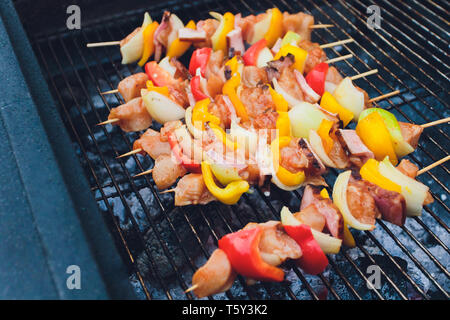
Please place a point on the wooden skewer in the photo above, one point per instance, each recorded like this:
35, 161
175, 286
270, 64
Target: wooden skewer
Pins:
193, 287
431, 166
348, 56
433, 123
103, 44
143, 173
168, 191
365, 74
129, 153
108, 121
337, 43
384, 96
116, 43
321, 26
110, 91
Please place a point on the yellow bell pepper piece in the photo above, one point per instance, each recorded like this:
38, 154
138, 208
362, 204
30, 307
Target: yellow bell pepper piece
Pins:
229, 89
162, 90
348, 240
149, 46
200, 114
219, 38
228, 195
376, 137
299, 54
324, 134
285, 176
329, 103
280, 103
370, 172
283, 124
324, 193
221, 134
177, 48
275, 30
233, 64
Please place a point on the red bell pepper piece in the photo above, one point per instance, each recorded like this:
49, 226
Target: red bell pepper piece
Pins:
251, 55
199, 59
313, 260
316, 77
242, 250
196, 89
177, 151
159, 76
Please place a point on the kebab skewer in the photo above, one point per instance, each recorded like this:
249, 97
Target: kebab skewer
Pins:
318, 228
219, 33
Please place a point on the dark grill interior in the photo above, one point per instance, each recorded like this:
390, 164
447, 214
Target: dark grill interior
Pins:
164, 245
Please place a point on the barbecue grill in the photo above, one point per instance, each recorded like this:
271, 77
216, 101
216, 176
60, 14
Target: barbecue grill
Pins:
161, 245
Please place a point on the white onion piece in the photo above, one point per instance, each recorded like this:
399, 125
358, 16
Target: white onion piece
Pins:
260, 28
327, 243
175, 24
264, 57
305, 117
193, 130
290, 99
349, 97
413, 191
161, 108
166, 65
132, 50
317, 145
305, 86
340, 200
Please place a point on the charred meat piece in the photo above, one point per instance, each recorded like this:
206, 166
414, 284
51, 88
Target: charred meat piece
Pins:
361, 202
152, 143
299, 23
316, 54
191, 189
392, 205
411, 133
298, 156
133, 116
310, 216
166, 171
186, 34
253, 76
131, 86
356, 149
326, 208
257, 100
215, 276
235, 42
207, 26
333, 76
288, 82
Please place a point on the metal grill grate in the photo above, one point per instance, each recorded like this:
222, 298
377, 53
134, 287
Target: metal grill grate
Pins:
164, 245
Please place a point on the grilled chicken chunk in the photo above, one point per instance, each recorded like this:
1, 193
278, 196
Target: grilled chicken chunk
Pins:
310, 217
131, 86
191, 189
315, 56
275, 246
361, 202
299, 23
411, 133
152, 143
325, 208
298, 156
357, 151
215, 276
166, 171
133, 116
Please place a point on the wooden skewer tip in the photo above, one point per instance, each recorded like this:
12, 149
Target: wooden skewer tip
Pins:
321, 26
193, 287
103, 44
129, 153
431, 166
108, 122
434, 123
168, 191
337, 43
110, 91
384, 96
143, 173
